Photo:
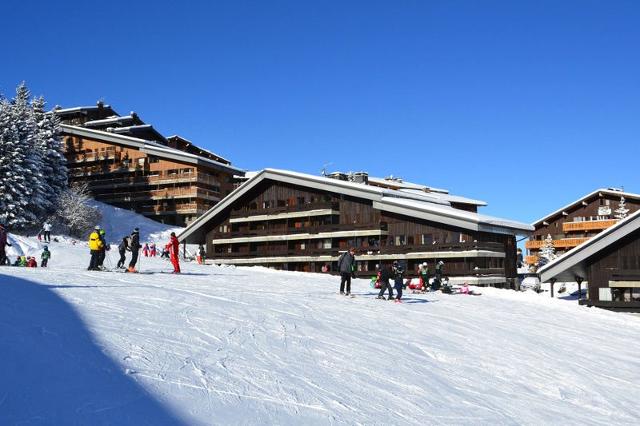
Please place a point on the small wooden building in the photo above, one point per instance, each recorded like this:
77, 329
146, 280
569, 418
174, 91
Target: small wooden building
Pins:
579, 221
128, 164
295, 221
608, 264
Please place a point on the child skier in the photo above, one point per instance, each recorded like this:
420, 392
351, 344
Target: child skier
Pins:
45, 256
122, 249
31, 262
385, 275
145, 250
152, 250
201, 255
398, 279
424, 276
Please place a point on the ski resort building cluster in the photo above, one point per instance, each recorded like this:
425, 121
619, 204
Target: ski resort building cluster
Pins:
129, 164
579, 221
300, 222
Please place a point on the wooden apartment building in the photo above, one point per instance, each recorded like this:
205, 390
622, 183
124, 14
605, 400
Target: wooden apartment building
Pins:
294, 221
129, 164
577, 222
609, 265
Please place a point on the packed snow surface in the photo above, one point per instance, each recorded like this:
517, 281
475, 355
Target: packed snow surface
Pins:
221, 345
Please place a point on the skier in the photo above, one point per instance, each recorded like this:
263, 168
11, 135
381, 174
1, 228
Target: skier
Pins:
122, 249
103, 250
31, 262
201, 254
152, 250
19, 261
398, 280
145, 250
45, 256
346, 262
135, 248
437, 282
385, 275
95, 245
46, 231
174, 250
424, 276
3, 244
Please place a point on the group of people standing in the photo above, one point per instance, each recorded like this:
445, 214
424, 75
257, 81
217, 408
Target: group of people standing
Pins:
387, 272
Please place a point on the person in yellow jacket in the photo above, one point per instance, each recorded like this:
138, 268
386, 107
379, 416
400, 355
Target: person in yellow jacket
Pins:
95, 245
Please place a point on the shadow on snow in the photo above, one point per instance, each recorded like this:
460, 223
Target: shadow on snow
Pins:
53, 372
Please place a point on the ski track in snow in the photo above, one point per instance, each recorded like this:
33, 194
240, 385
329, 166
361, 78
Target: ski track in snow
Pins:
256, 346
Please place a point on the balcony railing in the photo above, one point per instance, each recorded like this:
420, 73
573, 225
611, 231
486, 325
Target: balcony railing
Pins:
531, 260
281, 230
285, 209
562, 243
588, 225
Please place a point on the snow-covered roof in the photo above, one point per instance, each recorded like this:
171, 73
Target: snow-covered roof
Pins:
589, 195
150, 147
199, 147
63, 111
435, 209
571, 264
401, 184
111, 120
444, 196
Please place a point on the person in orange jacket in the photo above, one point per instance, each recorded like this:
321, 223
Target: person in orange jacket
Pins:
174, 251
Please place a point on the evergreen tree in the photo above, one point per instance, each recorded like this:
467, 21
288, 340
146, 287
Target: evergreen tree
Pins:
547, 251
15, 193
50, 145
622, 211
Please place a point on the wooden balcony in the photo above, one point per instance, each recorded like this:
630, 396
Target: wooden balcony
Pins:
589, 225
531, 260
561, 244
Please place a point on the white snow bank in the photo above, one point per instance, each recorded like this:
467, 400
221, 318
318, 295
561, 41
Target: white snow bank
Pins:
256, 346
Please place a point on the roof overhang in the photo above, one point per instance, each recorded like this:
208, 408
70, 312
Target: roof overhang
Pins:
148, 147
194, 233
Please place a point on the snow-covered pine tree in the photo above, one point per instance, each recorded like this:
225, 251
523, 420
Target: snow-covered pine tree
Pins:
49, 142
622, 211
34, 187
15, 173
547, 251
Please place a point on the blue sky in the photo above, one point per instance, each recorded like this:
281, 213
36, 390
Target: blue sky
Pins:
526, 105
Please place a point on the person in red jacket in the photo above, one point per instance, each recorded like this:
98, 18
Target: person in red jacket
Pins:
174, 251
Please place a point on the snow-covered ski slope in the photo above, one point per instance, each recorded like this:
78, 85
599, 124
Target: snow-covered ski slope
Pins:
253, 346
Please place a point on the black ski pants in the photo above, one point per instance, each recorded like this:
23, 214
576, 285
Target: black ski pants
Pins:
47, 236
398, 286
101, 255
93, 264
123, 258
44, 263
134, 258
384, 285
345, 277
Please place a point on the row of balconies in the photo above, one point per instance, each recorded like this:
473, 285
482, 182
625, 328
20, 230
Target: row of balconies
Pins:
285, 209
588, 225
561, 243
162, 194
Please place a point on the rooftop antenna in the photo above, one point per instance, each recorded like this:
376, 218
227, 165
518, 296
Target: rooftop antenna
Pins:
323, 172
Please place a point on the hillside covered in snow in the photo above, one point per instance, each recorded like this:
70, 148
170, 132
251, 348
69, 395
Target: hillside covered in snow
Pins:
254, 346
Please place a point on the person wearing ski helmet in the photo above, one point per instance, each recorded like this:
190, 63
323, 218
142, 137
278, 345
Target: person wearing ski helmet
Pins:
135, 248
424, 276
95, 245
122, 249
103, 250
45, 256
385, 276
398, 279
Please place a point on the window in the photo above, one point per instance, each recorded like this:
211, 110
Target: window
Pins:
427, 238
400, 240
604, 294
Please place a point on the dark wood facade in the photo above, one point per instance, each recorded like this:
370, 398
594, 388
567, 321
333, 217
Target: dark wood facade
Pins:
613, 275
292, 227
579, 222
130, 165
